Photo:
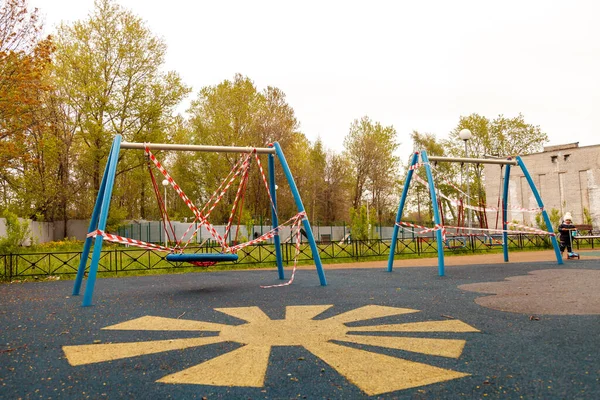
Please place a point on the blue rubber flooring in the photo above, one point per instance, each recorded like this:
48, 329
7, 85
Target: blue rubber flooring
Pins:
507, 355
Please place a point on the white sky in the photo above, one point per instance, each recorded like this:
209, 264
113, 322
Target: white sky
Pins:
416, 65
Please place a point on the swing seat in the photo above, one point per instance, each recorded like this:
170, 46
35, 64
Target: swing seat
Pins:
456, 243
494, 240
202, 257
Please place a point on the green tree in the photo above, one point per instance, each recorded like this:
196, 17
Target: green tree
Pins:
444, 173
502, 137
316, 193
361, 223
370, 150
17, 233
235, 113
338, 185
109, 73
553, 215
369, 147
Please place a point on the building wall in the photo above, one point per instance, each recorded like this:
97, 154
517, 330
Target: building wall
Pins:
566, 176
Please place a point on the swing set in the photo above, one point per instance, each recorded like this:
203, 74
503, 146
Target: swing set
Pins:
177, 253
446, 241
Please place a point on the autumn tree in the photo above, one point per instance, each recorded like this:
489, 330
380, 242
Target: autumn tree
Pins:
109, 75
24, 60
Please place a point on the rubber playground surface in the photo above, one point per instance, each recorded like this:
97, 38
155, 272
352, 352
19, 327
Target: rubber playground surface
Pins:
529, 328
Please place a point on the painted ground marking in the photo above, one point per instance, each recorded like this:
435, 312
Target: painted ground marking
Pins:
246, 366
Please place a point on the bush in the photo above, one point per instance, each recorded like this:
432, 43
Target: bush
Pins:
16, 233
554, 217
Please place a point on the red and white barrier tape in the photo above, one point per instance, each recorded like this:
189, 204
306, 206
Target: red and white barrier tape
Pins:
444, 229
530, 229
132, 242
296, 225
477, 208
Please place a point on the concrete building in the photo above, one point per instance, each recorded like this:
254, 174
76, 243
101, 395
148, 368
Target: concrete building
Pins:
567, 177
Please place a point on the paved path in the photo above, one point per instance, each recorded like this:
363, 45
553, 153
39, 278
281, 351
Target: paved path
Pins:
369, 333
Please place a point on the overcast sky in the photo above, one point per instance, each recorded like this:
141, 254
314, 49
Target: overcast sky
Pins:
416, 65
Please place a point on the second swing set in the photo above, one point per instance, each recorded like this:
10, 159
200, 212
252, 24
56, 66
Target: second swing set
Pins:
439, 227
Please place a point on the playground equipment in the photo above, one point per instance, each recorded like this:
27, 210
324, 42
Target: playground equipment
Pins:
440, 228
97, 225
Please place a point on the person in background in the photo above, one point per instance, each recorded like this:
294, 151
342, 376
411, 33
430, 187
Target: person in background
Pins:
566, 231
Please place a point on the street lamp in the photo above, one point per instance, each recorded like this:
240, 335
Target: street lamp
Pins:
165, 183
368, 216
465, 135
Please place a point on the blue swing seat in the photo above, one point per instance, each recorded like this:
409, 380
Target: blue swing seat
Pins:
457, 242
202, 257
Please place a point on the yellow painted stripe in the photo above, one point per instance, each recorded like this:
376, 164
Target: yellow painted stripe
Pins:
369, 312
150, 323
94, 353
304, 312
376, 373
436, 347
427, 326
250, 314
246, 366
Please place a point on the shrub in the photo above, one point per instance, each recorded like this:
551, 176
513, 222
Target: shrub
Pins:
16, 233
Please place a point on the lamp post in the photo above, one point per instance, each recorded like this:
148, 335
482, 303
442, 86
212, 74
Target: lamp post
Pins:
165, 183
368, 216
465, 135
368, 221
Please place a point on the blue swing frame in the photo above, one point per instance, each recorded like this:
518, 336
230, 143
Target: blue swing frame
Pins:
436, 214
102, 205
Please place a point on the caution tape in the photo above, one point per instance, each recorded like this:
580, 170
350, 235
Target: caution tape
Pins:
132, 242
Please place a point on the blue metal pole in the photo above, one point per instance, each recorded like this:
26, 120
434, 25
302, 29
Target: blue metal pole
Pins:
414, 160
274, 218
298, 201
110, 180
505, 212
436, 213
544, 213
93, 226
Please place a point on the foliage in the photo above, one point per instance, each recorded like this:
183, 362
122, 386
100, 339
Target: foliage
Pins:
64, 98
370, 150
109, 74
587, 217
446, 177
337, 186
361, 223
68, 244
553, 215
235, 113
24, 61
502, 137
17, 233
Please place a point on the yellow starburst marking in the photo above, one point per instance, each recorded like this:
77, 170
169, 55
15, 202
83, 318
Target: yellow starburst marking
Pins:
372, 372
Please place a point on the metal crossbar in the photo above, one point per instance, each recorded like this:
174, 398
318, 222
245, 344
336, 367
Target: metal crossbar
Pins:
192, 147
473, 160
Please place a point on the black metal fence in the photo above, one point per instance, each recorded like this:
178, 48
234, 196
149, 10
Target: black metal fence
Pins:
115, 261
